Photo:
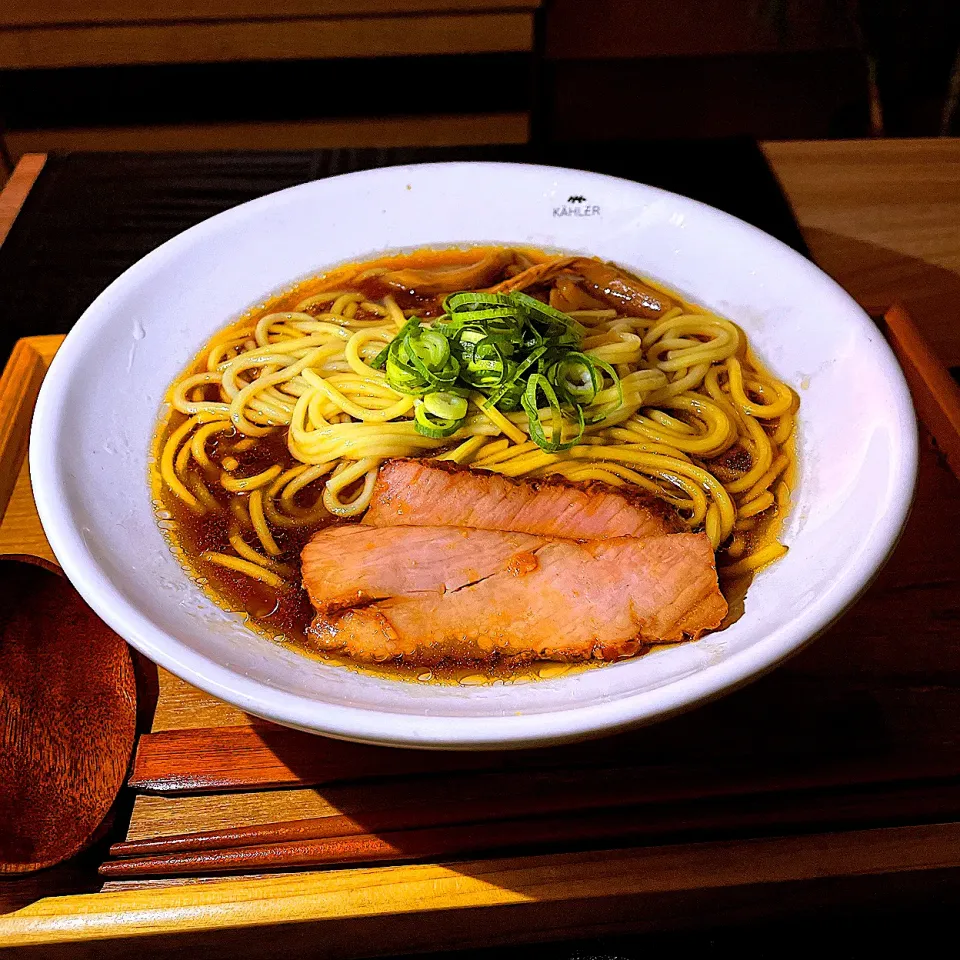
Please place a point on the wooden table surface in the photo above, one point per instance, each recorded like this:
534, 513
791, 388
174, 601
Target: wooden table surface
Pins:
884, 219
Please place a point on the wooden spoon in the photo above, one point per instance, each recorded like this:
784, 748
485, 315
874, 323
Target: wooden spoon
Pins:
67, 717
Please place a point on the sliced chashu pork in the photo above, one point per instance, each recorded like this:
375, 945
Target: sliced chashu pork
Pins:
354, 564
439, 493
553, 600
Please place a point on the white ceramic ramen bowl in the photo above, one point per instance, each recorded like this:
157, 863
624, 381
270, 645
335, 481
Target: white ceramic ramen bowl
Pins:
98, 407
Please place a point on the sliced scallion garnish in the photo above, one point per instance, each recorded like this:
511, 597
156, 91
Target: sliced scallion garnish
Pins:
511, 348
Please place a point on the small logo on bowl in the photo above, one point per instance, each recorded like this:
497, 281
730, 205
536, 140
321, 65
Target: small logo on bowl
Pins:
576, 206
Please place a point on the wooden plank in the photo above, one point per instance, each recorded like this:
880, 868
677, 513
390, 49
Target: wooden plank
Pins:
14, 194
62, 12
425, 131
20, 529
445, 899
181, 707
213, 42
668, 800
880, 216
19, 387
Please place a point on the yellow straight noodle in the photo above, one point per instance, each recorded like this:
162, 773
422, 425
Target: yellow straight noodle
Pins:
466, 451
664, 464
260, 523
284, 478
782, 493
325, 297
707, 443
522, 464
167, 471
198, 443
398, 409
240, 421
218, 351
697, 498
752, 507
238, 507
244, 566
246, 552
754, 561
178, 396
765, 410
669, 423
394, 312
595, 473
688, 381
344, 300
496, 453
776, 468
366, 468
381, 334
200, 491
712, 526
783, 431
183, 458
302, 519
762, 458
642, 444
247, 484
298, 483
261, 332
499, 420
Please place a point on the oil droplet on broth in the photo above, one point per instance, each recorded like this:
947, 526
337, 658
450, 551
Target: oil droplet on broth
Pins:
425, 677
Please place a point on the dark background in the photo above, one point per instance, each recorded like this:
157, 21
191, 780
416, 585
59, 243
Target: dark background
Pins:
596, 70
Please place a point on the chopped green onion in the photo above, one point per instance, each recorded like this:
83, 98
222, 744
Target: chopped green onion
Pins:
446, 406
513, 349
537, 384
432, 426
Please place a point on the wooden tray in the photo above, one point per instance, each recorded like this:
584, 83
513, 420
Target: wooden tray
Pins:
836, 776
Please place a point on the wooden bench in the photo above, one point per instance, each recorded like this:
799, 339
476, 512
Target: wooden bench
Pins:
62, 34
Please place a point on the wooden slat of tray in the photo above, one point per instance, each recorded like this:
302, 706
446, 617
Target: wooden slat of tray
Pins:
382, 910
20, 529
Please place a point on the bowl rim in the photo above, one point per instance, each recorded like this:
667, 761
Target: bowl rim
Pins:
385, 727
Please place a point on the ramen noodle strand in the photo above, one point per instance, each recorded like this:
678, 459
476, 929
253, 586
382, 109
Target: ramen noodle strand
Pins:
466, 451
167, 470
198, 443
247, 484
260, 523
246, 552
776, 468
752, 507
763, 556
244, 566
